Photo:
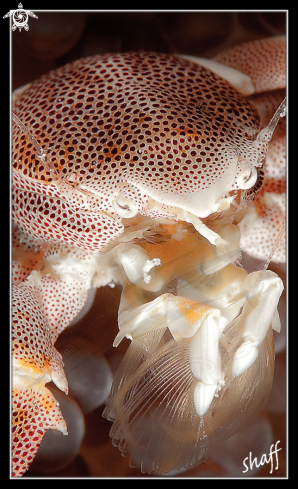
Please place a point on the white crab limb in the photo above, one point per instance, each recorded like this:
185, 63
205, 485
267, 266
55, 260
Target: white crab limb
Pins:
199, 226
191, 207
264, 290
183, 317
138, 320
137, 266
201, 205
205, 360
133, 261
221, 292
187, 216
203, 396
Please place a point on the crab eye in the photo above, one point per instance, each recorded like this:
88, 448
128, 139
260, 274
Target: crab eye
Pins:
124, 206
247, 176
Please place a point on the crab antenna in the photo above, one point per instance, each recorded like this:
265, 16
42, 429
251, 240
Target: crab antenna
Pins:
41, 154
266, 133
278, 239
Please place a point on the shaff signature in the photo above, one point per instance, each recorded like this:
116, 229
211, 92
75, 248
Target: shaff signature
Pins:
265, 459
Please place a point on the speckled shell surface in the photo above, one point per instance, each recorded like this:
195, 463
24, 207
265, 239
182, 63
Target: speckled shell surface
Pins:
154, 124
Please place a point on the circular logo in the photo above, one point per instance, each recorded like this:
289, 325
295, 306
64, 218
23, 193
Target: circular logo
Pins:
20, 19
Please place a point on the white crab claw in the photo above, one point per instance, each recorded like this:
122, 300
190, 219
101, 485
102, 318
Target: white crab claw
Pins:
264, 289
244, 357
205, 360
203, 396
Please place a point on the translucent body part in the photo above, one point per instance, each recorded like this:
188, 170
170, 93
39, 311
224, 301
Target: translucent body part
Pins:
187, 381
155, 419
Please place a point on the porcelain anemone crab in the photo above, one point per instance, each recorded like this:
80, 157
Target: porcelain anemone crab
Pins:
153, 171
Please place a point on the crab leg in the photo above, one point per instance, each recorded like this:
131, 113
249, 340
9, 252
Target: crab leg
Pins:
264, 61
264, 291
263, 224
35, 362
205, 363
184, 319
46, 297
